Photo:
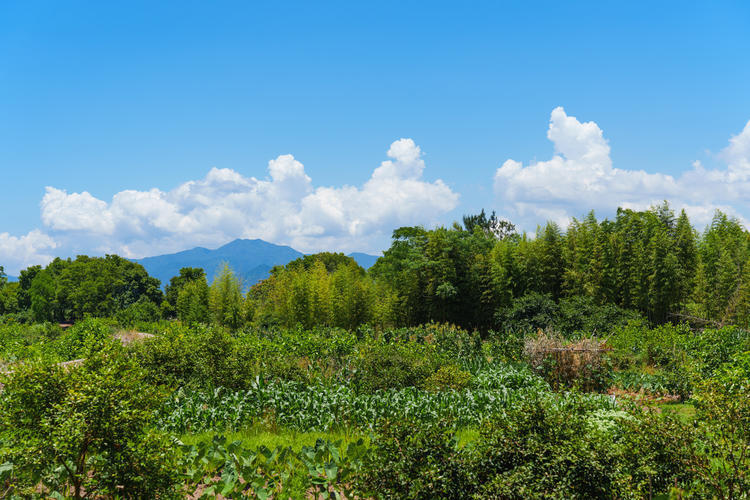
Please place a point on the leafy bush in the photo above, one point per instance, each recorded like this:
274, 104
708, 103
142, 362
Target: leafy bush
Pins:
141, 311
711, 348
86, 337
504, 346
663, 346
582, 315
410, 460
394, 366
529, 313
541, 449
653, 451
84, 429
200, 355
448, 377
450, 341
723, 405
219, 467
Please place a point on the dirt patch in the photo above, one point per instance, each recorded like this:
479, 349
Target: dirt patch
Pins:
130, 336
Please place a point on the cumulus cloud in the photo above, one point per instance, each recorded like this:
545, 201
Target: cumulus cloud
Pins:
580, 177
285, 207
18, 252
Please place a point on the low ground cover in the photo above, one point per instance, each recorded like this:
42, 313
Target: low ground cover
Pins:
427, 412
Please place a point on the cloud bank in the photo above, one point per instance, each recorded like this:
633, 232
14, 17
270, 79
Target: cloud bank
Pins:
580, 177
18, 252
284, 208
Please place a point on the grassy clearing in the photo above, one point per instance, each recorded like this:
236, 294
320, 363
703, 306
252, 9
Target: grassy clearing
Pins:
685, 411
254, 437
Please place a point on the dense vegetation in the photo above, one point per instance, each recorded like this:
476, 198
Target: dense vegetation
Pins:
609, 361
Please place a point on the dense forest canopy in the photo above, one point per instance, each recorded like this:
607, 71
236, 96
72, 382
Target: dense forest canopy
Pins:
471, 274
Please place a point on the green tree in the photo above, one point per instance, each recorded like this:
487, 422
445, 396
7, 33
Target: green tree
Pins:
176, 283
687, 256
85, 432
491, 226
42, 295
225, 298
8, 294
192, 302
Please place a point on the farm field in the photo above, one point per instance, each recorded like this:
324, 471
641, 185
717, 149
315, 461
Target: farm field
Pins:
329, 381
380, 414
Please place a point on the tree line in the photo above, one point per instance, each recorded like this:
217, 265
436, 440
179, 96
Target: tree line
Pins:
470, 274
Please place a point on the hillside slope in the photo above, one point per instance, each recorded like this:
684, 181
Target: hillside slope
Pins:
250, 259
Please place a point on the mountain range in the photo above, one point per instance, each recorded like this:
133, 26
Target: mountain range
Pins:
250, 259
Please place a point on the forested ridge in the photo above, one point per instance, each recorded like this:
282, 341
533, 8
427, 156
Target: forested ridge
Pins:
470, 274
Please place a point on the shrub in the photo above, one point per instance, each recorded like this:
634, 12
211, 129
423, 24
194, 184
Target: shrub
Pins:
448, 377
711, 348
540, 449
394, 366
580, 314
84, 429
198, 355
653, 453
142, 311
723, 405
408, 460
528, 313
85, 338
504, 346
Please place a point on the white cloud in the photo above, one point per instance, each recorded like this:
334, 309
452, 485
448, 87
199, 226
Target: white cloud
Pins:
580, 177
19, 252
283, 208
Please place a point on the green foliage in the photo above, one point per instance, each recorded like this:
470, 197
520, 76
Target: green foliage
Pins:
69, 290
318, 290
441, 275
448, 377
83, 431
142, 311
394, 366
529, 313
325, 407
540, 449
650, 261
9, 297
723, 405
42, 295
220, 467
652, 452
714, 347
225, 299
203, 355
177, 283
409, 460
504, 346
85, 338
192, 302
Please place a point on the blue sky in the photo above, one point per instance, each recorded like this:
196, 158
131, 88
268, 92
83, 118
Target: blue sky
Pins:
100, 98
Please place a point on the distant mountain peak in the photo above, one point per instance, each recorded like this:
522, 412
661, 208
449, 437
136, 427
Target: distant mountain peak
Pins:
250, 259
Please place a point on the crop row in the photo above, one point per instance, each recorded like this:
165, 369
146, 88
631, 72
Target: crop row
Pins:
323, 408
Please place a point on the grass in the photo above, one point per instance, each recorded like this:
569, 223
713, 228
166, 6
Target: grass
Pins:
254, 437
684, 411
